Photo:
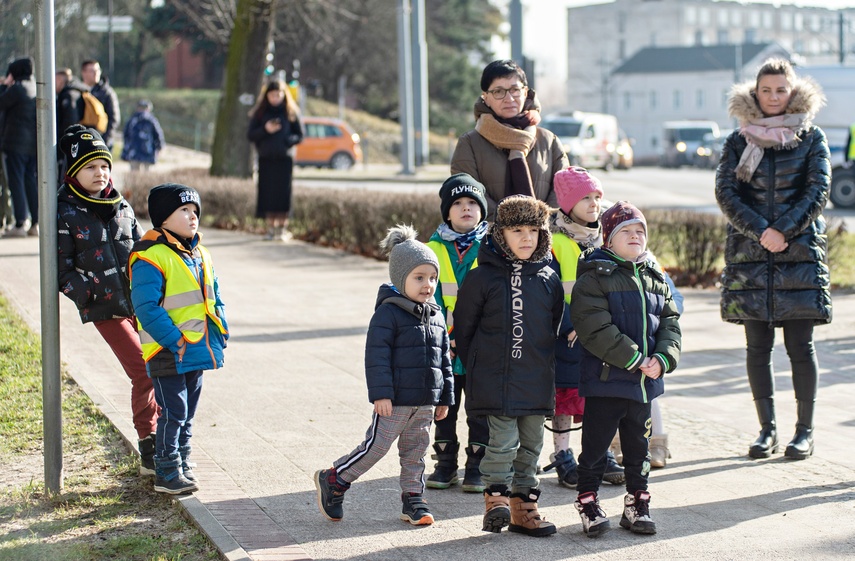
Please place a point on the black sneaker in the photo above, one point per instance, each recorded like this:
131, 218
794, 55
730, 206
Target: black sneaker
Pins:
636, 514
178, 485
614, 472
415, 510
146, 448
330, 494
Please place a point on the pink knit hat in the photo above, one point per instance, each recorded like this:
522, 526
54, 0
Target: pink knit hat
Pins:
571, 186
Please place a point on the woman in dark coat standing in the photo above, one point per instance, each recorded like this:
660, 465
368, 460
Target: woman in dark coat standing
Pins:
275, 129
772, 185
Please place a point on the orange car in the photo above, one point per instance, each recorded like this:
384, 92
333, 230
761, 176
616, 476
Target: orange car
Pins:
328, 143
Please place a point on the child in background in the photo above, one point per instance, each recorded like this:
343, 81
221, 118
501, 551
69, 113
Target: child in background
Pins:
182, 324
408, 370
143, 137
456, 243
506, 321
628, 326
96, 232
575, 227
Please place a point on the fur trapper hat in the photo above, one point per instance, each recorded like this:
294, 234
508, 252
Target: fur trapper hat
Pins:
522, 210
405, 254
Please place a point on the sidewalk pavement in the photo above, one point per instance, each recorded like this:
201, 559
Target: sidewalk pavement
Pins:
292, 398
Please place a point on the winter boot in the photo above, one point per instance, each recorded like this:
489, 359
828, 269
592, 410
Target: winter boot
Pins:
497, 508
445, 472
614, 473
565, 466
615, 449
186, 465
636, 514
594, 521
659, 451
415, 510
330, 494
472, 475
168, 478
767, 443
525, 519
146, 447
801, 446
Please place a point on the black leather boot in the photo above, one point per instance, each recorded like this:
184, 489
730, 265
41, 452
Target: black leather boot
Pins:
767, 443
472, 482
801, 446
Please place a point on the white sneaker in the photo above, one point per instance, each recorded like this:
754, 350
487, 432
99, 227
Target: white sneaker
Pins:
33, 231
594, 521
636, 514
16, 232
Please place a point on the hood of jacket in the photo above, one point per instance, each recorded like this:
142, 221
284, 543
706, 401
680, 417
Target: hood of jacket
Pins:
424, 312
806, 97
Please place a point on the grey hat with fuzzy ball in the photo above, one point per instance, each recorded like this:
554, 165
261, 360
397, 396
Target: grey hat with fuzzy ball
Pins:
405, 254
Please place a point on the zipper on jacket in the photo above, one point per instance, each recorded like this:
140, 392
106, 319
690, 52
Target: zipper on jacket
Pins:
770, 308
637, 279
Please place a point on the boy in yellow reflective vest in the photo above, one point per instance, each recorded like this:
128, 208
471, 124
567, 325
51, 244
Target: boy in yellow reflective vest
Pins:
456, 242
182, 324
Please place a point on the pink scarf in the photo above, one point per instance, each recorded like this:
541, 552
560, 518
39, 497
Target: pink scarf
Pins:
779, 132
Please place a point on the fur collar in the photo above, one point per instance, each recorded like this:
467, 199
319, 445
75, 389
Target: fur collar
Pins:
806, 97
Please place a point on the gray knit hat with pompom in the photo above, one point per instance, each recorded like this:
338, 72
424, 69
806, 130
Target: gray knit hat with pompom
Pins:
405, 254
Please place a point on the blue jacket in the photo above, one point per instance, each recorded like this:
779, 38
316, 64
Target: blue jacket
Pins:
147, 286
406, 352
143, 138
623, 313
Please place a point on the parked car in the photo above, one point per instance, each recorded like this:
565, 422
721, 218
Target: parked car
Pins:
590, 139
708, 154
623, 151
328, 142
681, 140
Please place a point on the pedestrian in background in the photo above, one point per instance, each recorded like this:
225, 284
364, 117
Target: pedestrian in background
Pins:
275, 129
143, 137
506, 151
90, 73
772, 185
408, 371
96, 231
18, 102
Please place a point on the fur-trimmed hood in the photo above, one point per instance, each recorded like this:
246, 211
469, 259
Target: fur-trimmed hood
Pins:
806, 97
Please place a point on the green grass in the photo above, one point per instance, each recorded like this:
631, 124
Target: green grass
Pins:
105, 509
843, 261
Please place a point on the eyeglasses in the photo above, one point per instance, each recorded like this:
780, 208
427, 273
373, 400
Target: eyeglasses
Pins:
499, 93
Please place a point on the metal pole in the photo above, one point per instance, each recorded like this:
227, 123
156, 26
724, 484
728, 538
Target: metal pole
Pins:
420, 85
841, 24
405, 87
110, 36
515, 17
46, 130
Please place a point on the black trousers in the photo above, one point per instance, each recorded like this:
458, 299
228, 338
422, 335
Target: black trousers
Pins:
603, 416
446, 429
798, 340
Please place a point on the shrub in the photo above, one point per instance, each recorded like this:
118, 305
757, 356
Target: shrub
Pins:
689, 244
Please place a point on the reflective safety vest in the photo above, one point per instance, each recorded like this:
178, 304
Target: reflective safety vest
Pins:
567, 254
851, 147
447, 281
188, 303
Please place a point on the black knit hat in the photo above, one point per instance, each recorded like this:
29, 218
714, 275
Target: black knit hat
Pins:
165, 199
21, 68
80, 146
461, 185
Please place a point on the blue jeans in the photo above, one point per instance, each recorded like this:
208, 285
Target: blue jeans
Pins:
177, 397
21, 173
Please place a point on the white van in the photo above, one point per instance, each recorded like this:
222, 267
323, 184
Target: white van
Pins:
589, 139
682, 139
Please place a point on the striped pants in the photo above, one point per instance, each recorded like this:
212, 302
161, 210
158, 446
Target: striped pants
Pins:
410, 425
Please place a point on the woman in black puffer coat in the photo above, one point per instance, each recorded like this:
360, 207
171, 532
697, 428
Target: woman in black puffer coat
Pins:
772, 185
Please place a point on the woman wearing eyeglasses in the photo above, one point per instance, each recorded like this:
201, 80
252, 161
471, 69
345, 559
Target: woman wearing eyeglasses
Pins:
507, 151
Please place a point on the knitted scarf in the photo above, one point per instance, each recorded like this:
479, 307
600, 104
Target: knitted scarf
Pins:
517, 135
585, 236
779, 132
462, 241
104, 204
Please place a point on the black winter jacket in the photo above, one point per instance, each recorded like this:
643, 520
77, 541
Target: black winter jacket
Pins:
18, 102
623, 313
279, 145
787, 192
105, 93
406, 352
95, 241
505, 324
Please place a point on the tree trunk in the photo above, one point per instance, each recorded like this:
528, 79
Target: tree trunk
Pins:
230, 154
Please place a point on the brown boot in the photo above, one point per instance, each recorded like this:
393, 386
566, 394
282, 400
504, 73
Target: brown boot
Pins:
659, 451
497, 512
524, 516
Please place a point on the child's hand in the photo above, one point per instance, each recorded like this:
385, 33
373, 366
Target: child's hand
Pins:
572, 338
182, 347
452, 349
441, 412
383, 407
651, 368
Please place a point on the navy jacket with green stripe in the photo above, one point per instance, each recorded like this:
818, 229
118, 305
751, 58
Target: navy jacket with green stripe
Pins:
623, 312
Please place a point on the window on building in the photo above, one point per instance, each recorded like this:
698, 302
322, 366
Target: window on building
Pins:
724, 97
754, 18
653, 39
814, 46
798, 22
799, 46
678, 99
815, 22
736, 17
653, 99
722, 18
750, 35
622, 49
691, 15
704, 16
621, 22
699, 37
786, 21
699, 99
627, 100
768, 20
722, 37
